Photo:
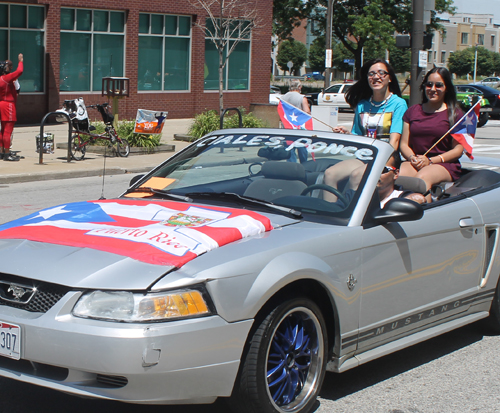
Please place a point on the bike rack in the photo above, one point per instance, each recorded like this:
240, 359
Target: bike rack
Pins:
42, 137
227, 110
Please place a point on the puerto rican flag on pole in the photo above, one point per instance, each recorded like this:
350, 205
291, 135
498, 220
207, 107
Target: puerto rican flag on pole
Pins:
294, 118
155, 232
464, 130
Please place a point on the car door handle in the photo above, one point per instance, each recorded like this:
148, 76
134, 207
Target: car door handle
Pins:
466, 222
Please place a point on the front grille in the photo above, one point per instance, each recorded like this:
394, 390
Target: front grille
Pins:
45, 298
34, 369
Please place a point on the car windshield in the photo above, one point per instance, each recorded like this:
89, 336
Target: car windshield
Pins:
284, 170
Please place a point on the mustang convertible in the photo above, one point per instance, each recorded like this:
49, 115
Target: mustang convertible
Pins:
229, 272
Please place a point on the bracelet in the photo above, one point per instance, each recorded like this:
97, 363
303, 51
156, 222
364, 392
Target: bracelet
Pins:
430, 161
442, 159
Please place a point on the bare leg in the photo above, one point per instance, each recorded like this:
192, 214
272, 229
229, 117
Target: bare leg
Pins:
336, 173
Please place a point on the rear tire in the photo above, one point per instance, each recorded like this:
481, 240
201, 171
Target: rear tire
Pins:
77, 147
283, 368
122, 147
483, 119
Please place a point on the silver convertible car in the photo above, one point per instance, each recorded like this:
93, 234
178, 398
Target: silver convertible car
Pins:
226, 272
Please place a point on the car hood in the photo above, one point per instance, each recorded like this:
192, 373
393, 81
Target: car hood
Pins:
116, 244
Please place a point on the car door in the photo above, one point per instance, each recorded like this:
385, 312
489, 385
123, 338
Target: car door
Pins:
418, 273
341, 97
330, 95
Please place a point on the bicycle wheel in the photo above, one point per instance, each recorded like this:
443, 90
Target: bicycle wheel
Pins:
122, 147
77, 147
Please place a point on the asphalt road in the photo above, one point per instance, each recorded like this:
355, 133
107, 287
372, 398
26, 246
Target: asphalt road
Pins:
453, 373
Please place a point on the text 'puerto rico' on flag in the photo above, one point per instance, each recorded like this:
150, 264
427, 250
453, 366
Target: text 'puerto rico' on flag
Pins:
294, 118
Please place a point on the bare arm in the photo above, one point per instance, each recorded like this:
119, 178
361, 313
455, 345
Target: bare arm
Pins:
305, 105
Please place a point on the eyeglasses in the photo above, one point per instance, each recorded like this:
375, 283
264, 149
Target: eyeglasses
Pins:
381, 73
429, 85
388, 169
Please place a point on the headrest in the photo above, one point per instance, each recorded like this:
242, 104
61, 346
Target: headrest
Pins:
284, 170
410, 183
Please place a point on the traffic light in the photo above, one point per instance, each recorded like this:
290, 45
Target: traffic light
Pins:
428, 40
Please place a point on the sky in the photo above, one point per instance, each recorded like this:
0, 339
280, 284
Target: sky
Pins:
479, 7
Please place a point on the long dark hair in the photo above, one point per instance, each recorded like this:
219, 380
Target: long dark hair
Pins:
3, 65
450, 94
362, 90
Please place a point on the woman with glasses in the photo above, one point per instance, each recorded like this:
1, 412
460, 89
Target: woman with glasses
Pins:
378, 106
378, 113
425, 124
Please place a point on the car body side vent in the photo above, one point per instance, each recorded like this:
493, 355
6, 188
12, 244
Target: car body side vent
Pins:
112, 381
491, 248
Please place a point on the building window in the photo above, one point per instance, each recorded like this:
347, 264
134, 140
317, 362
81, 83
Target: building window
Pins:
92, 47
24, 33
493, 40
443, 37
236, 74
164, 52
480, 39
429, 56
443, 57
465, 38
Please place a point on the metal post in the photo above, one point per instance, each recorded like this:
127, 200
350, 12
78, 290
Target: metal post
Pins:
328, 40
475, 64
417, 41
42, 140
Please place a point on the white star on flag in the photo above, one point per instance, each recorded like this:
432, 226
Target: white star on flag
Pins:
48, 213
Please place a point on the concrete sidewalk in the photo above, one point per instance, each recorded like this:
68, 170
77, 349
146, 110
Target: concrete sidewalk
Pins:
55, 165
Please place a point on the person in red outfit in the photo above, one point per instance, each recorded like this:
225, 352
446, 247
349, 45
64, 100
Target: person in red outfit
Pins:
8, 99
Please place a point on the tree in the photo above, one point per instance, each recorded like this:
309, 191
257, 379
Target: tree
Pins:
316, 56
461, 62
371, 24
400, 59
288, 14
228, 22
291, 51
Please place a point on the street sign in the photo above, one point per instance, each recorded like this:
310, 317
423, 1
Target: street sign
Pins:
328, 58
349, 61
422, 58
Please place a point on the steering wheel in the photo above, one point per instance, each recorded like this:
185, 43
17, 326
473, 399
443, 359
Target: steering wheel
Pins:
252, 165
328, 188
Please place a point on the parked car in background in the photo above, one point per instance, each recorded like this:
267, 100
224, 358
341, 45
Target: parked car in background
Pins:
489, 81
489, 93
274, 95
225, 273
335, 95
314, 76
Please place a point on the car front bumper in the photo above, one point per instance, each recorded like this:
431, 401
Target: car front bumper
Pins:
184, 361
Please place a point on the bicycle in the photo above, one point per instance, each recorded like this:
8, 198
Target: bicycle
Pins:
83, 135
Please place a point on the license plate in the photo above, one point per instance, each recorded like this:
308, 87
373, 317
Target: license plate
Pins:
486, 110
10, 340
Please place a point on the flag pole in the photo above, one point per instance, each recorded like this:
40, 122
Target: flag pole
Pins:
312, 117
456, 123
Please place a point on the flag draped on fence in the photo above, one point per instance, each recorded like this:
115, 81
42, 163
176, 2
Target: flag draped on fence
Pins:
294, 118
464, 130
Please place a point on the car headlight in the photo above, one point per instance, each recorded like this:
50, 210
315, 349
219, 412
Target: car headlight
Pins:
135, 307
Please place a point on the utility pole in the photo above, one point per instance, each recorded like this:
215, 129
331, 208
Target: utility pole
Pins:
328, 44
417, 40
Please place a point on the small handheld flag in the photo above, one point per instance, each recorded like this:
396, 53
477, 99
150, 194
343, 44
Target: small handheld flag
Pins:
464, 130
294, 118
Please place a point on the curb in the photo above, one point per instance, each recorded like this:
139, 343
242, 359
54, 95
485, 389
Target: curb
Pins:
133, 150
48, 176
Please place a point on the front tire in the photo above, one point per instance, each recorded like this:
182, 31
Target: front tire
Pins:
77, 147
284, 365
122, 147
483, 119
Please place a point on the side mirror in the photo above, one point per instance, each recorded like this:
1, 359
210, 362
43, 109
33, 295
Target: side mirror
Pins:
135, 179
398, 210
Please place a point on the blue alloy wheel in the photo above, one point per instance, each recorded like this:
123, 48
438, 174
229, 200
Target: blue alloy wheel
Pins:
284, 367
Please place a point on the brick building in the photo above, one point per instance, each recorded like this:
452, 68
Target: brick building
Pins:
69, 46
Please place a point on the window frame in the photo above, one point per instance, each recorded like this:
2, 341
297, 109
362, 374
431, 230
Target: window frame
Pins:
93, 32
246, 37
9, 29
164, 36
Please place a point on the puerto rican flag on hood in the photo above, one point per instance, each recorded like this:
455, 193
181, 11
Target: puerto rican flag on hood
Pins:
163, 233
